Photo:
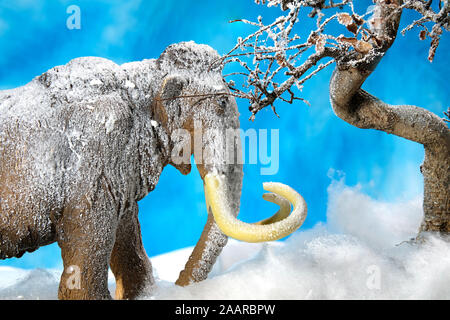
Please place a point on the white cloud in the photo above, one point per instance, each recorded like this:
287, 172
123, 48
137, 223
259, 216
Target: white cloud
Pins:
377, 223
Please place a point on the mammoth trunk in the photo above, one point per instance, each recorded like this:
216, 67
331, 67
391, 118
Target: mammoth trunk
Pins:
212, 239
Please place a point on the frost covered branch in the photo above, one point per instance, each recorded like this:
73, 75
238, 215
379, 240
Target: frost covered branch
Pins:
276, 60
431, 22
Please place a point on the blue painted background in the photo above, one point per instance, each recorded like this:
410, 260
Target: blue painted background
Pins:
34, 38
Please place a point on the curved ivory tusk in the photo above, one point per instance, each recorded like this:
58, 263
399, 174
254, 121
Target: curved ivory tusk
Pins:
281, 225
285, 208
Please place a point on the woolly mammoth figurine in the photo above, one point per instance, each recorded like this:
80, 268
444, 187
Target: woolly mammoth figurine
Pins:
83, 142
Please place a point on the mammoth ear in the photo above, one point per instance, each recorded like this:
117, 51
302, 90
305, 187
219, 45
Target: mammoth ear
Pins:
171, 89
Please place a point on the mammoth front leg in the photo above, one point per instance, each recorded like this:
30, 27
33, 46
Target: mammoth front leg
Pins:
204, 254
85, 234
129, 262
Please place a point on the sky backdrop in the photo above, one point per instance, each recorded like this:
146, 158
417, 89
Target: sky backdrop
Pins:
315, 145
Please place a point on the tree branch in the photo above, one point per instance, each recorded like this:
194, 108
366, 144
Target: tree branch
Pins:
362, 110
278, 66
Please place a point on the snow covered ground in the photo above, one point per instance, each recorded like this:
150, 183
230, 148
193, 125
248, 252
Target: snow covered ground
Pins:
359, 253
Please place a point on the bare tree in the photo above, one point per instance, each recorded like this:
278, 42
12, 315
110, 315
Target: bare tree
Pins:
276, 62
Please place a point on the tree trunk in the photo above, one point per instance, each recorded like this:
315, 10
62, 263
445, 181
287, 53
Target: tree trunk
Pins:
436, 201
359, 108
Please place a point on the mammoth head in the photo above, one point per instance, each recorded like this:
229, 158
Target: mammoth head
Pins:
195, 106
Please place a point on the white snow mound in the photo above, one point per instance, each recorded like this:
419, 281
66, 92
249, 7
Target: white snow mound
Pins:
360, 253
